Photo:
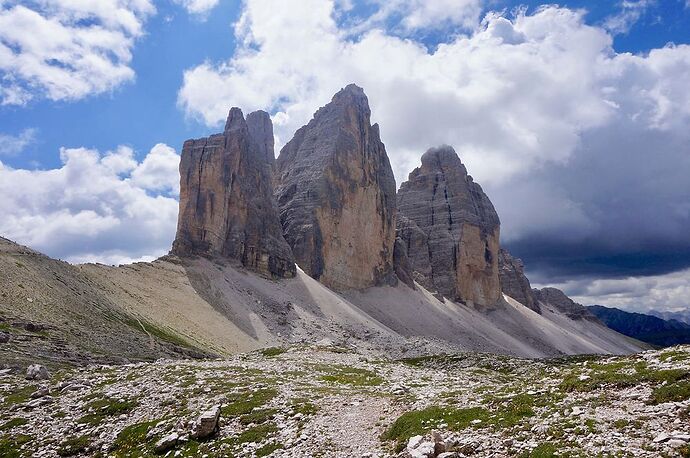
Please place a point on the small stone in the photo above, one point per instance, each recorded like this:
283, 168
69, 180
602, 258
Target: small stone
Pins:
4, 337
663, 437
166, 443
37, 372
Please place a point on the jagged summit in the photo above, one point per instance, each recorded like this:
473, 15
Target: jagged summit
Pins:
336, 196
450, 230
226, 199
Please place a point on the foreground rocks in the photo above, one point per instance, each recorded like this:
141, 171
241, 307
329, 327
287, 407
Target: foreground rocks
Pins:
318, 401
226, 198
450, 230
336, 194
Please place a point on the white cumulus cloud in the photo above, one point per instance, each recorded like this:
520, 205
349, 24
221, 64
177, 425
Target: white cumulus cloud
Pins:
197, 7
67, 49
11, 145
95, 207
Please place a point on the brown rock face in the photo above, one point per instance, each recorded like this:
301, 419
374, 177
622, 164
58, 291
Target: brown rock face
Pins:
226, 200
336, 196
451, 230
514, 283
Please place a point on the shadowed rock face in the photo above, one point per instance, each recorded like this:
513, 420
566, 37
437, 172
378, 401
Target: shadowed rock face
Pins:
261, 130
450, 229
514, 283
556, 298
336, 196
226, 199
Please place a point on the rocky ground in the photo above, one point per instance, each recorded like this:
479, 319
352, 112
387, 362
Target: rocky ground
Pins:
331, 401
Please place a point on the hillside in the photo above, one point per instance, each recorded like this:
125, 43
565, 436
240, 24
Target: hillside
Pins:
57, 313
307, 401
647, 328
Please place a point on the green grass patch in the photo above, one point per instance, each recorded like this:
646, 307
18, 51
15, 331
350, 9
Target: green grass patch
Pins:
243, 403
418, 422
272, 351
675, 355
13, 423
73, 446
268, 449
672, 392
545, 450
17, 396
621, 374
107, 407
13, 446
258, 416
131, 442
354, 376
156, 331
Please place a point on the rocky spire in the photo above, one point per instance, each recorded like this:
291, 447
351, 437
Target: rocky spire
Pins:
261, 130
336, 196
227, 207
450, 229
514, 283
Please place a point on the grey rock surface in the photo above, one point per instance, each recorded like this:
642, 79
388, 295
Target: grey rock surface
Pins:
451, 230
261, 130
226, 199
556, 298
37, 372
336, 195
514, 283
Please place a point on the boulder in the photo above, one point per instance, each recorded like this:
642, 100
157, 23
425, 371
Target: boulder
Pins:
450, 229
227, 207
37, 372
336, 195
207, 423
514, 283
165, 443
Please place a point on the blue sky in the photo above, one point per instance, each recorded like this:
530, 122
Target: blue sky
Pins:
581, 146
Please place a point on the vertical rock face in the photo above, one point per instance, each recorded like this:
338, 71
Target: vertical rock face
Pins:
451, 230
261, 130
336, 196
514, 283
226, 200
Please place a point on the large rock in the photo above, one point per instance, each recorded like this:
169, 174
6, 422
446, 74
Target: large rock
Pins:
227, 207
514, 283
450, 229
336, 195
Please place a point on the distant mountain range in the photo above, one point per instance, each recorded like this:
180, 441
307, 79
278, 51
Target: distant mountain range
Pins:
647, 328
683, 316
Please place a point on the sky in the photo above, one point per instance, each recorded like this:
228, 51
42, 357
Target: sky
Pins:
573, 117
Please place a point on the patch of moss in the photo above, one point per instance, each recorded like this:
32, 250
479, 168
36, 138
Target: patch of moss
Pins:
244, 403
268, 449
13, 446
131, 442
672, 392
350, 376
258, 416
13, 423
17, 396
272, 351
73, 446
545, 450
418, 422
107, 407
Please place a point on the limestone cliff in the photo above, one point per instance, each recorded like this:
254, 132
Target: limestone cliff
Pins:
227, 207
450, 229
557, 299
336, 195
514, 283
